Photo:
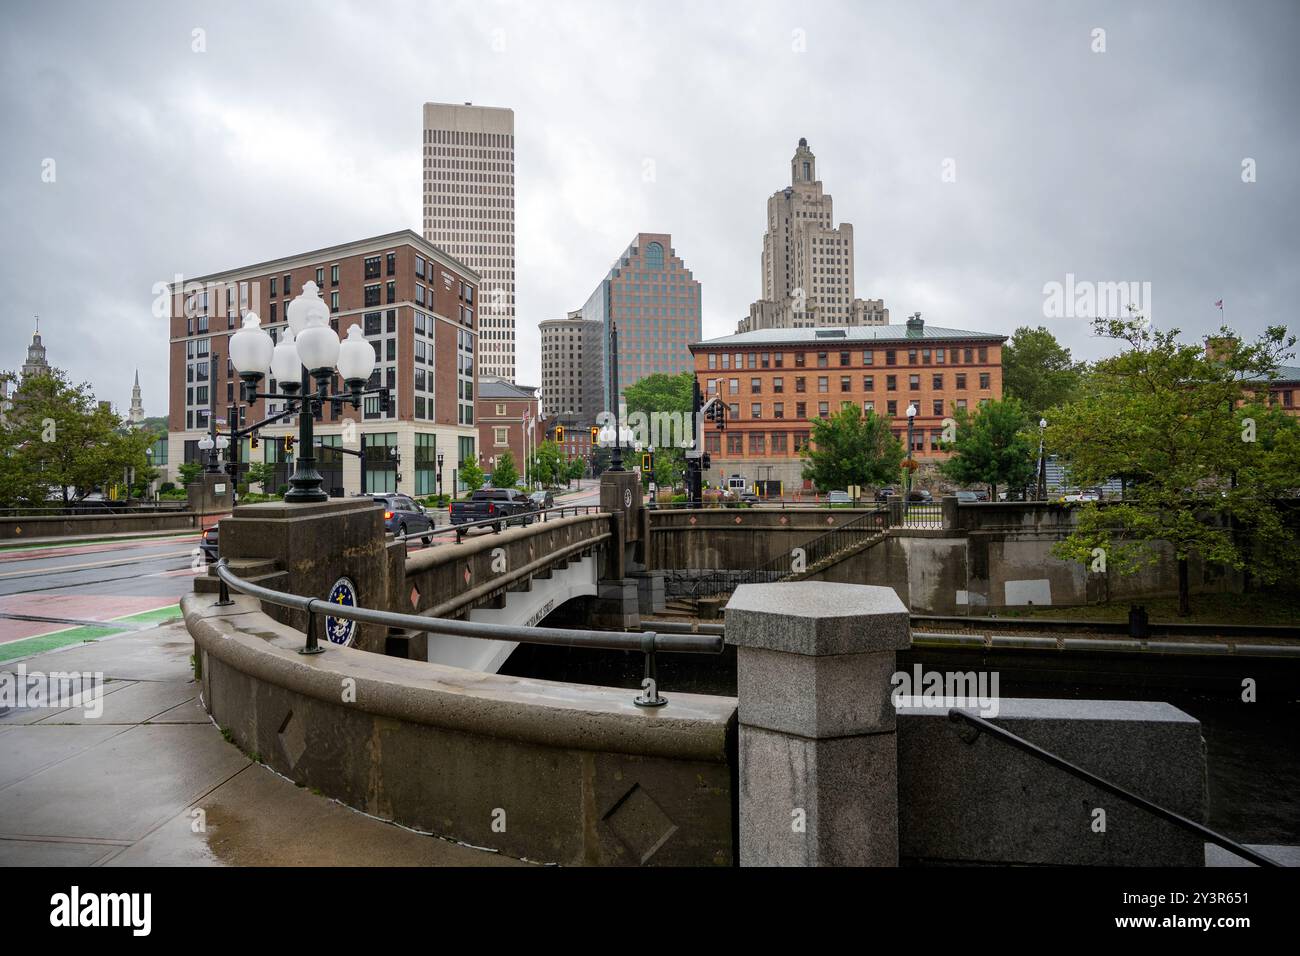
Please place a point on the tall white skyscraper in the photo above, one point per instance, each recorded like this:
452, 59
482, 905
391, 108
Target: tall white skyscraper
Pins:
469, 211
808, 260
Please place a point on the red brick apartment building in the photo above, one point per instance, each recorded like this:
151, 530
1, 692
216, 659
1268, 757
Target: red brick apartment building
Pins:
507, 421
419, 308
775, 381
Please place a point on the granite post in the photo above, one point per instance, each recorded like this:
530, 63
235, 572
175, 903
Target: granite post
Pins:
817, 747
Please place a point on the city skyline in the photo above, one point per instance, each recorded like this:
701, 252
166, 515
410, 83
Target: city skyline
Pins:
1153, 160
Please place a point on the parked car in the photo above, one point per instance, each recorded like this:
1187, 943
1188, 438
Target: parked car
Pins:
542, 500
208, 545
967, 497
884, 493
749, 498
981, 494
404, 516
838, 498
509, 504
919, 494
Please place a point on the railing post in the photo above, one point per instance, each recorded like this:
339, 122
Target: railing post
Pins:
818, 752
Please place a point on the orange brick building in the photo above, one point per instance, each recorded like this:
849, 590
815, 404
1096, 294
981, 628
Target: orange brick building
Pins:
775, 381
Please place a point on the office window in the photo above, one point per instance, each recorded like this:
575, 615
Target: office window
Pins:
392, 291
334, 274
938, 406
823, 359
961, 379
891, 383
372, 295
891, 357
868, 383
372, 267
800, 359
844, 358
392, 263
984, 379
320, 277
823, 409
868, 358
755, 410
846, 383
891, 408
936, 381
778, 409
757, 443
801, 410
914, 383
755, 386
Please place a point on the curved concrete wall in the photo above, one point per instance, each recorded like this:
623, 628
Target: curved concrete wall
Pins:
540, 770
67, 526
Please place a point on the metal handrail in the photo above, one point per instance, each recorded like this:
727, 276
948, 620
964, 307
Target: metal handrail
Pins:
648, 642
956, 714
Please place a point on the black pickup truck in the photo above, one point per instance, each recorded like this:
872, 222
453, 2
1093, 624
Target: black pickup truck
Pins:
508, 504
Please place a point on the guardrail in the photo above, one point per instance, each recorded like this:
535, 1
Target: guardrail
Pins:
499, 524
648, 643
93, 508
957, 715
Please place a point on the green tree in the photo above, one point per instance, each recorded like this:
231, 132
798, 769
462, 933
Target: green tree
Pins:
548, 464
471, 474
188, 472
1205, 464
992, 447
63, 441
575, 469
504, 472
665, 402
1038, 370
261, 473
850, 448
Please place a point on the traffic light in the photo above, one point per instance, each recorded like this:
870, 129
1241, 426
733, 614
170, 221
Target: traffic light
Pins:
559, 434
647, 462
288, 445
253, 442
705, 462
595, 434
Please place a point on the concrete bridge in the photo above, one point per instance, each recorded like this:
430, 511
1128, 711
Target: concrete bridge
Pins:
419, 730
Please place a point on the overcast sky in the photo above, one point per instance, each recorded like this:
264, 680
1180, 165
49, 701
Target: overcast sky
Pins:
299, 126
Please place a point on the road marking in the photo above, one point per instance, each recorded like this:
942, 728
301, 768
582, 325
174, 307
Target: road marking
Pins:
33, 572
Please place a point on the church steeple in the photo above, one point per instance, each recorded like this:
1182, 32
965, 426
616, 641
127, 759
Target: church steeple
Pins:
36, 363
136, 415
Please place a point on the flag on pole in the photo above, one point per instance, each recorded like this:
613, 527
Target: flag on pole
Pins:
1219, 305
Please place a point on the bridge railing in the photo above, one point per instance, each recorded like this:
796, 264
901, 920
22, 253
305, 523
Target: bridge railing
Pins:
785, 566
648, 643
499, 524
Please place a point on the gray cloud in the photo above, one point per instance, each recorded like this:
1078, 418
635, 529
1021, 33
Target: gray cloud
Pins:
299, 129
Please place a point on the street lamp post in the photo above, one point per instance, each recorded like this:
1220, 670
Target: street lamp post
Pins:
439, 473
617, 463
308, 349
1042, 462
911, 420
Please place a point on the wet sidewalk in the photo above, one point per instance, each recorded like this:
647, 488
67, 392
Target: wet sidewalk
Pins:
151, 782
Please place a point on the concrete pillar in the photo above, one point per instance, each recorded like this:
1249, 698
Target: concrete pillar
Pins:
948, 504
896, 514
211, 493
818, 751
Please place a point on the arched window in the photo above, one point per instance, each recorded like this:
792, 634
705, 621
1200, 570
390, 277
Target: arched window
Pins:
654, 256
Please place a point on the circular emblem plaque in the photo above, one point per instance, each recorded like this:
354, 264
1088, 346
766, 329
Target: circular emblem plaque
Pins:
338, 630
627, 497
